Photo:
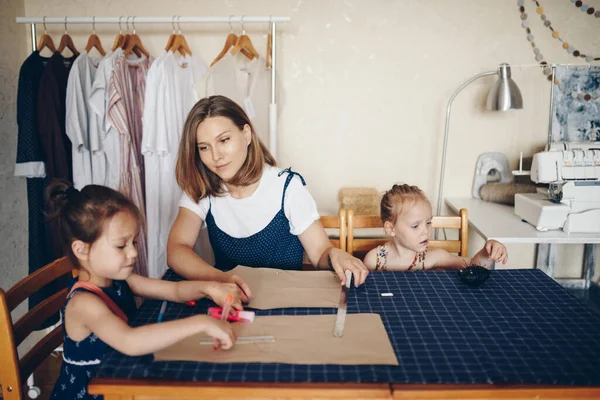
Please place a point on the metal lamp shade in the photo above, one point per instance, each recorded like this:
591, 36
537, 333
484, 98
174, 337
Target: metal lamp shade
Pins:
505, 94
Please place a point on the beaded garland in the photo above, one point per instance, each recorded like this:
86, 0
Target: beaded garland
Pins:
546, 70
585, 8
555, 34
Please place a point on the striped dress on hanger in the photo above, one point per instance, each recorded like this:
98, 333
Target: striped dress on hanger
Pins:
125, 110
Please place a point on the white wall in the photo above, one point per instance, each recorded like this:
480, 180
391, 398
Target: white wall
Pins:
366, 82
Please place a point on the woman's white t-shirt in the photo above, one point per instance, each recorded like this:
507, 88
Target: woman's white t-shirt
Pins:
241, 218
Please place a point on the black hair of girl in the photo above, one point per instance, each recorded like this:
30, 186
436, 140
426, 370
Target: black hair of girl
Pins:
82, 215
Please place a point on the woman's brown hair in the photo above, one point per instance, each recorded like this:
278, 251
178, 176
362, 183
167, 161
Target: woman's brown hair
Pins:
82, 215
394, 200
194, 178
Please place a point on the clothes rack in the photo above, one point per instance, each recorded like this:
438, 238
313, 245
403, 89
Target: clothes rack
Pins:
243, 19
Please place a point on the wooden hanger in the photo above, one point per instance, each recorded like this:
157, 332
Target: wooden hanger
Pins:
125, 42
46, 41
268, 57
124, 39
118, 38
180, 44
244, 43
134, 42
94, 40
66, 42
172, 36
269, 45
229, 43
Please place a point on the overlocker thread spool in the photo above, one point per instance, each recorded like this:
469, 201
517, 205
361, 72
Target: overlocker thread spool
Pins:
504, 193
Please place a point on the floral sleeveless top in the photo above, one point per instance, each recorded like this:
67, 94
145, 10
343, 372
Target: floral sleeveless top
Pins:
418, 262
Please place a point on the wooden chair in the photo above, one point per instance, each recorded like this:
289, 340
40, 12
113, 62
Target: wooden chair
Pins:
359, 247
332, 222
14, 372
339, 222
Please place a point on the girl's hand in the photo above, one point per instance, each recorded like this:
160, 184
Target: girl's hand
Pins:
340, 261
247, 295
496, 251
220, 330
218, 293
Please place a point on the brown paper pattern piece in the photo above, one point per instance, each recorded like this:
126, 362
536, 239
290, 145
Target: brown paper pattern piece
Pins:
276, 288
299, 339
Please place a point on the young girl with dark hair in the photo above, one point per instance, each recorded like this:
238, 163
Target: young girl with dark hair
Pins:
99, 227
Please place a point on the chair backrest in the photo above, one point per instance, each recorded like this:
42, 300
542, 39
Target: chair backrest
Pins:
360, 246
332, 222
14, 372
337, 222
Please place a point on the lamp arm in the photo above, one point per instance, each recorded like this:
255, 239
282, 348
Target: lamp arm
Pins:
448, 109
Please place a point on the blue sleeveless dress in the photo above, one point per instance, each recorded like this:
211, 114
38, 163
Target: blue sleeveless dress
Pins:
81, 358
272, 247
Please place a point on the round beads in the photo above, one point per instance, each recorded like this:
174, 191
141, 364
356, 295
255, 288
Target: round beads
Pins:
555, 34
530, 37
586, 8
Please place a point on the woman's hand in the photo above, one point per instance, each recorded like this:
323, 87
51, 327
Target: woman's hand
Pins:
496, 251
219, 330
340, 261
219, 291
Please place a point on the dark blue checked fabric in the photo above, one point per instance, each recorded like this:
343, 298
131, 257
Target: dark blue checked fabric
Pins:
520, 327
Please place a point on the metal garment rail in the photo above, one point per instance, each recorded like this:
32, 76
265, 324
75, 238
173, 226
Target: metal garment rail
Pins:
243, 19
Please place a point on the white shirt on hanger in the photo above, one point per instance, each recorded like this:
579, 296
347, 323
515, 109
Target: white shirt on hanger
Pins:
241, 218
105, 145
245, 81
169, 98
81, 123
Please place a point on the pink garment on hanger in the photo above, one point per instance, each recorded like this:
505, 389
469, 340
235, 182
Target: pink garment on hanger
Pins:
125, 110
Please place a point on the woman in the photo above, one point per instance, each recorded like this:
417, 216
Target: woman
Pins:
256, 214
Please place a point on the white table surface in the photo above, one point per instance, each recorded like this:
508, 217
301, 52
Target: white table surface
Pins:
499, 222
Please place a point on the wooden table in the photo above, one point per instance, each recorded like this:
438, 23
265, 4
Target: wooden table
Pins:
139, 389
441, 331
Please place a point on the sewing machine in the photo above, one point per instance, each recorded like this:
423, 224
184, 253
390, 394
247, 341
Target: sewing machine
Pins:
571, 201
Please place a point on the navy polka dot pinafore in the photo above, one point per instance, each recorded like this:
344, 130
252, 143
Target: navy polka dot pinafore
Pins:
273, 247
81, 358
